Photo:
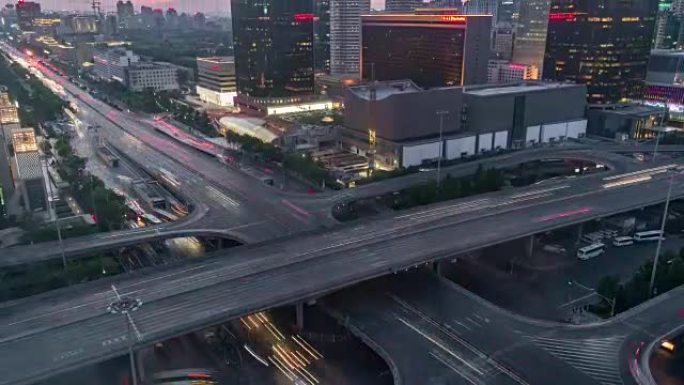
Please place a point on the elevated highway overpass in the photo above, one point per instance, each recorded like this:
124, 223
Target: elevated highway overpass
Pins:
210, 219
63, 329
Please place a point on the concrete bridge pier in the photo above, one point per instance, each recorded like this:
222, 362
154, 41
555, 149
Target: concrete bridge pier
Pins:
580, 229
299, 309
437, 268
529, 246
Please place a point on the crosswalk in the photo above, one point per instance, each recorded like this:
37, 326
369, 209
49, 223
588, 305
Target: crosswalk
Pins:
597, 357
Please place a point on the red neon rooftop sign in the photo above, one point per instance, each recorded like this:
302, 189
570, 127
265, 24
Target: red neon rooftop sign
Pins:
565, 16
303, 17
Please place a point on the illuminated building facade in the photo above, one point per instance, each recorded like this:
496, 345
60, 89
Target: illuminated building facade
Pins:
9, 113
432, 50
216, 80
604, 44
30, 176
274, 55
665, 81
530, 32
503, 71
345, 35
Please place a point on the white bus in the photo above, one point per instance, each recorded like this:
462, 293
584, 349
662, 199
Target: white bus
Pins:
623, 241
591, 251
648, 236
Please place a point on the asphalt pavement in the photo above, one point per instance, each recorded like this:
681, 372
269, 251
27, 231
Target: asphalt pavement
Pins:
435, 332
246, 279
548, 292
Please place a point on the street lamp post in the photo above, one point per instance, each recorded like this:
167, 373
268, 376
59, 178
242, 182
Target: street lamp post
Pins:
441, 114
655, 148
651, 286
124, 306
611, 301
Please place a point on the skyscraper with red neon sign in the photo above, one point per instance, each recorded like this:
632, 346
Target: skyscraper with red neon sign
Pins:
604, 44
433, 50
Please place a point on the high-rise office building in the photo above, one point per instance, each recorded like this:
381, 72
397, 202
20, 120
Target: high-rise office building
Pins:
505, 9
442, 4
27, 11
124, 9
530, 32
402, 5
480, 7
603, 43
216, 80
322, 36
345, 35
669, 30
433, 50
273, 42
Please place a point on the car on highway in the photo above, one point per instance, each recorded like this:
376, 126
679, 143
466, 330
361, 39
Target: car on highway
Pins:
668, 345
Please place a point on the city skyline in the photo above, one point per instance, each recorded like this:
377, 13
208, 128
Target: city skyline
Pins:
207, 6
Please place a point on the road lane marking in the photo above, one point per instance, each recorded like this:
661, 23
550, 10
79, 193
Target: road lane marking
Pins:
295, 208
440, 345
453, 367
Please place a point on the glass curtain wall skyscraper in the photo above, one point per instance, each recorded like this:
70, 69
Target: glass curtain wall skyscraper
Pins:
322, 36
274, 53
345, 35
530, 32
402, 5
604, 44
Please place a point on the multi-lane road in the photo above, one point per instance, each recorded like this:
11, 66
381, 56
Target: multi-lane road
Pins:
71, 327
67, 328
432, 331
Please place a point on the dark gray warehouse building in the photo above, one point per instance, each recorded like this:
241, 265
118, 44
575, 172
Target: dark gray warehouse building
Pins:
479, 119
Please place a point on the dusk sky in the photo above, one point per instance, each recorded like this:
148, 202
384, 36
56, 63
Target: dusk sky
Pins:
208, 6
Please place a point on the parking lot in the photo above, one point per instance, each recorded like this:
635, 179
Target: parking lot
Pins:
548, 285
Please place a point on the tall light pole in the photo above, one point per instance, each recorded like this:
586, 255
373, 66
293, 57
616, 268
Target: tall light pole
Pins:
655, 148
441, 114
651, 286
124, 306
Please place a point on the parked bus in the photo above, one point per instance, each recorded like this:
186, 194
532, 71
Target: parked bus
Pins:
623, 241
648, 236
591, 251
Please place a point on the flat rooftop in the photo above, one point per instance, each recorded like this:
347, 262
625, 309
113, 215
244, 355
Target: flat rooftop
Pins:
217, 59
515, 88
386, 89
632, 109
